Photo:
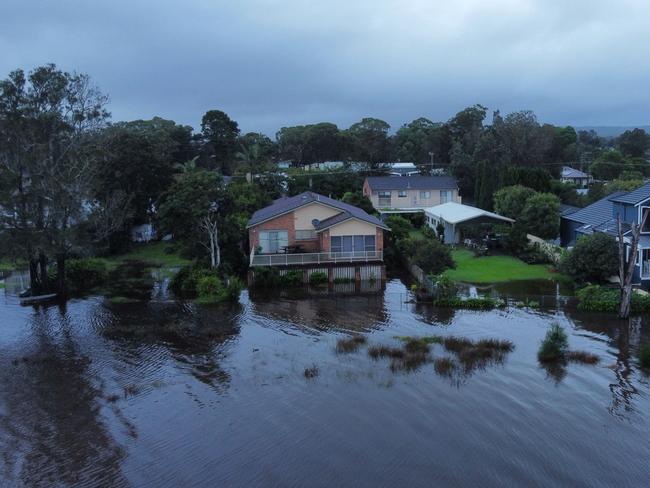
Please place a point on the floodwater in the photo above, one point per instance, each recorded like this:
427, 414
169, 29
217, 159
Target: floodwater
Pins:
167, 394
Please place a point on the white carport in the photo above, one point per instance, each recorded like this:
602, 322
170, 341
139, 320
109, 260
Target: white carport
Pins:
451, 214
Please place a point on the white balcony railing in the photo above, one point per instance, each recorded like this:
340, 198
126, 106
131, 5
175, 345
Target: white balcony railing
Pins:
314, 258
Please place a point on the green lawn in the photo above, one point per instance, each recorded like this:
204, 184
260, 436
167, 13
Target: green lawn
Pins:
494, 269
153, 253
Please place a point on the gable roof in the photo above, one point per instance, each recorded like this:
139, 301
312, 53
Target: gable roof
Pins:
597, 213
567, 209
635, 196
288, 204
454, 213
412, 183
569, 172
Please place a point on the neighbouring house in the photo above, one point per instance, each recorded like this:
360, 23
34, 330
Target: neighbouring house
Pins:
604, 215
143, 233
456, 215
576, 177
316, 232
402, 169
410, 194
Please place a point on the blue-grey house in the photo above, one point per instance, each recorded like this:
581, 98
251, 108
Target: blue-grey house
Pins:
603, 215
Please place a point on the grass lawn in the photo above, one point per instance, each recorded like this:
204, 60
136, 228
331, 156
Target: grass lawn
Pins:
152, 253
494, 269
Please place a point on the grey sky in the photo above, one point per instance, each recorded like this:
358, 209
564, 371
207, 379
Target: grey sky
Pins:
286, 62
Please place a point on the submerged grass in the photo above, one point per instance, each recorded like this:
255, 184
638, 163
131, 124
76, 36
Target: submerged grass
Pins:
383, 351
554, 352
444, 366
583, 357
350, 344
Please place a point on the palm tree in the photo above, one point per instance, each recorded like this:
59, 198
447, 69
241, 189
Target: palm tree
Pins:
251, 157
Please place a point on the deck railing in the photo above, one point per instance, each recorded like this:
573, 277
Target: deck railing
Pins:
315, 258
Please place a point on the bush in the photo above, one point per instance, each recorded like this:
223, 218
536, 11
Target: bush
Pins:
594, 258
595, 298
267, 277
555, 345
470, 303
644, 355
233, 290
431, 256
399, 227
209, 287
292, 278
446, 287
84, 274
184, 284
318, 278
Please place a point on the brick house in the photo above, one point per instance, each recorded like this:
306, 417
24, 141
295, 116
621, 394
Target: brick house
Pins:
314, 228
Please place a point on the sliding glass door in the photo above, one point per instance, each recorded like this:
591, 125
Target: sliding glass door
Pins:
273, 241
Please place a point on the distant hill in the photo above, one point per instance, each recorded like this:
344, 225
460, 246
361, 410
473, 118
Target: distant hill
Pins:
613, 131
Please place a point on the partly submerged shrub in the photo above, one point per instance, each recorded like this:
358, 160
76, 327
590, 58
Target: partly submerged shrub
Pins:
311, 372
131, 280
470, 303
445, 287
554, 346
292, 277
267, 277
350, 344
84, 274
318, 278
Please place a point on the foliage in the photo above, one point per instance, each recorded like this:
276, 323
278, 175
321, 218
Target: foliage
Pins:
184, 284
358, 199
511, 200
292, 277
267, 277
209, 286
541, 215
445, 287
554, 346
85, 274
596, 298
368, 140
469, 303
594, 258
536, 178
399, 227
219, 134
318, 278
634, 143
430, 255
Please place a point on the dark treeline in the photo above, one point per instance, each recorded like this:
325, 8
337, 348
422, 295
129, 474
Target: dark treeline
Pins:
73, 183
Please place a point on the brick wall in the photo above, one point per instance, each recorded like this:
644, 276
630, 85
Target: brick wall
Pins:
283, 222
379, 239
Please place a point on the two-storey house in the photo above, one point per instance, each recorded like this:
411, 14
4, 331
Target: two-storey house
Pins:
410, 193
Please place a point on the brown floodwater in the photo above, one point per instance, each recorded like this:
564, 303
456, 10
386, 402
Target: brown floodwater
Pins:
168, 394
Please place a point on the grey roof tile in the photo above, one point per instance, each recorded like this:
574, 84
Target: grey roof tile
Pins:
596, 213
635, 196
288, 204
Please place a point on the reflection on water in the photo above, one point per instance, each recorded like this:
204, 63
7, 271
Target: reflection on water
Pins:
171, 394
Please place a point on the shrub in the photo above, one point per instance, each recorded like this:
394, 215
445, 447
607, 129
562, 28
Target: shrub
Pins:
594, 258
351, 344
184, 283
318, 278
399, 227
292, 278
470, 303
644, 355
343, 280
311, 372
209, 287
84, 274
445, 287
233, 290
431, 256
267, 277
554, 346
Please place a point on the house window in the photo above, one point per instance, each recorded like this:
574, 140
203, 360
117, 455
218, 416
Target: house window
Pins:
273, 241
402, 194
305, 235
352, 244
446, 196
384, 199
425, 195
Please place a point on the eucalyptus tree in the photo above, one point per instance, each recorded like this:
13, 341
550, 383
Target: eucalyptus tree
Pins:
47, 120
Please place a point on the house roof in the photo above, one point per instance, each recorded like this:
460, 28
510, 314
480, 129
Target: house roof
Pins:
455, 213
633, 197
568, 172
567, 209
596, 213
288, 204
412, 183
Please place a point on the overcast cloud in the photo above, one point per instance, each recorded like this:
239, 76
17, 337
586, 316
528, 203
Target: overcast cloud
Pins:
286, 62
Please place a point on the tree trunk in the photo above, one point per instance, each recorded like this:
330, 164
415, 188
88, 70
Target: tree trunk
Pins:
626, 266
60, 274
34, 280
45, 282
